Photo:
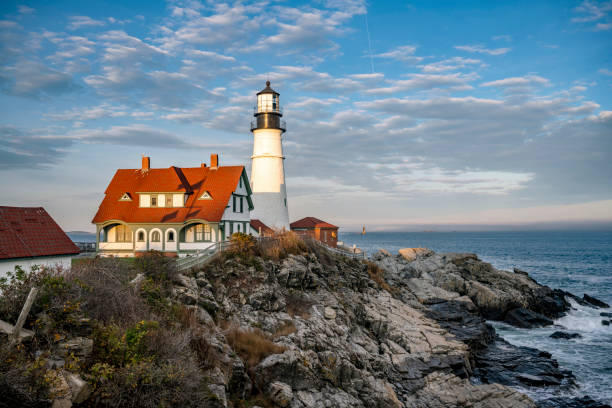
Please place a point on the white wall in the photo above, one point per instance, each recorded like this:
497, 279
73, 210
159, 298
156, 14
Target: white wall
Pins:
157, 246
140, 246
145, 200
8, 265
177, 200
170, 246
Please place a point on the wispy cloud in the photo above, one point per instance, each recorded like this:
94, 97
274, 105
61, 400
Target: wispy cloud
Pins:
480, 49
597, 12
401, 53
77, 22
518, 81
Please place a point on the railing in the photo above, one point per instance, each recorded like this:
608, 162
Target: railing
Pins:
267, 109
283, 125
201, 257
86, 246
360, 255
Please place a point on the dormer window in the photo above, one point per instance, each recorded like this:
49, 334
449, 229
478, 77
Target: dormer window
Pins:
205, 196
154, 201
126, 197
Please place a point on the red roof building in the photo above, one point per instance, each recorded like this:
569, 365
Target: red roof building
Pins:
29, 236
173, 210
261, 229
317, 229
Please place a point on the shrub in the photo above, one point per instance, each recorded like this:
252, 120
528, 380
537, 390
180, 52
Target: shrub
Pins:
252, 345
102, 285
157, 266
282, 245
377, 275
24, 381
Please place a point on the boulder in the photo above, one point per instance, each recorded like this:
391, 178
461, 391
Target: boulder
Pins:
410, 254
280, 393
564, 335
329, 313
595, 302
80, 389
525, 318
79, 346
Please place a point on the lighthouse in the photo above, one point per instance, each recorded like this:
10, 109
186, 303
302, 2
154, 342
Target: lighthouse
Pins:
267, 161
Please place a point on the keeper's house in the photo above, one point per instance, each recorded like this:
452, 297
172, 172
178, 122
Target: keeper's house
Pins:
177, 211
29, 236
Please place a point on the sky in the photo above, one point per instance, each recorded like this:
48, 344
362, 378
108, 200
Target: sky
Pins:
399, 114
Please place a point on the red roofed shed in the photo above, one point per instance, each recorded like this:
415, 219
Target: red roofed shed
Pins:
317, 229
29, 234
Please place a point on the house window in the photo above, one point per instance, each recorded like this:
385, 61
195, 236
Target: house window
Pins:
155, 236
153, 201
240, 182
171, 236
241, 205
141, 236
169, 200
202, 233
234, 203
123, 233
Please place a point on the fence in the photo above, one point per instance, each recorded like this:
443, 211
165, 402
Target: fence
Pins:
200, 258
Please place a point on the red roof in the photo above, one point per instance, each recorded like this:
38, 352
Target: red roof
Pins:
257, 224
311, 222
194, 181
29, 232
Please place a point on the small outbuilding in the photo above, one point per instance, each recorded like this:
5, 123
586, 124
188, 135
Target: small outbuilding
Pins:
317, 229
29, 236
259, 229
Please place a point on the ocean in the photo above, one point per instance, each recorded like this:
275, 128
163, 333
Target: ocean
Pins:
576, 261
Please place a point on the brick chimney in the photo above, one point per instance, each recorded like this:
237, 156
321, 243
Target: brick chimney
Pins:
146, 163
214, 161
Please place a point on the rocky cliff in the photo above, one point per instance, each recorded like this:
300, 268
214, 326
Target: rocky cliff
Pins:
301, 327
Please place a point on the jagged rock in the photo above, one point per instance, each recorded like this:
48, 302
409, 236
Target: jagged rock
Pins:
410, 254
329, 313
219, 394
280, 393
80, 389
564, 335
595, 302
185, 295
202, 315
79, 346
605, 314
576, 402
61, 403
521, 317
605, 322
443, 390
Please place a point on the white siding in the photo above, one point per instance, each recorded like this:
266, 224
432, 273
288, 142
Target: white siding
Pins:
171, 245
115, 245
161, 200
195, 245
8, 265
177, 200
140, 246
156, 245
145, 200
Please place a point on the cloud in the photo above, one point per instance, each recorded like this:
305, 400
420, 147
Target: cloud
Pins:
456, 81
518, 81
30, 149
603, 26
605, 71
592, 11
33, 79
401, 53
482, 50
450, 64
77, 22
23, 9
133, 135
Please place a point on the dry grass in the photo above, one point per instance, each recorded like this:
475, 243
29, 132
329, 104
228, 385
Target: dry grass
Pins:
252, 345
378, 276
282, 245
285, 330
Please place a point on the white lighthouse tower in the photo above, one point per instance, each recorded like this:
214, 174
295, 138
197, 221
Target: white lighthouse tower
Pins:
267, 169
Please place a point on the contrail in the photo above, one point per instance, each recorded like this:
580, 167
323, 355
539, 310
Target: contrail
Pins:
369, 41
